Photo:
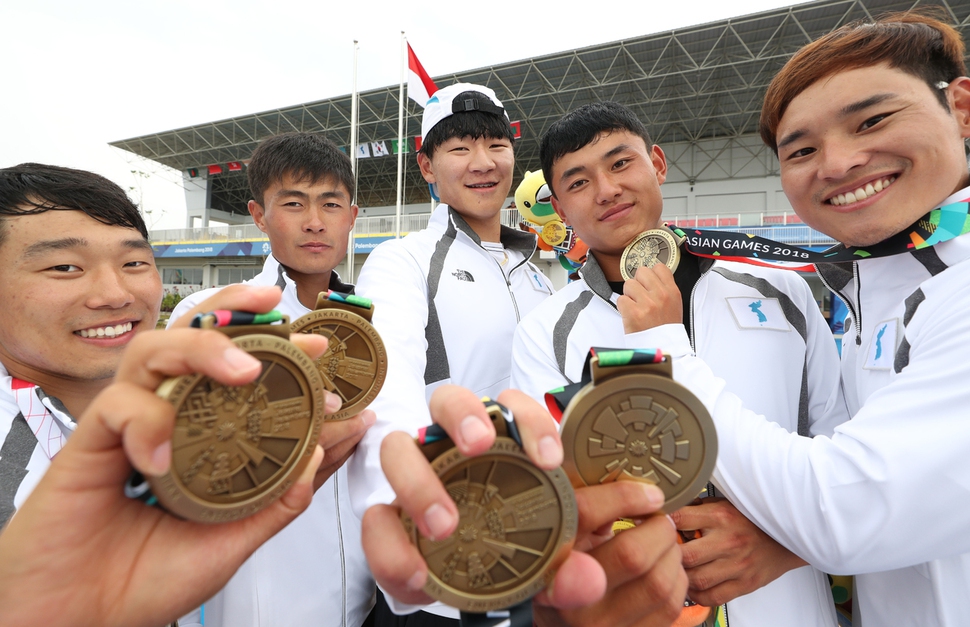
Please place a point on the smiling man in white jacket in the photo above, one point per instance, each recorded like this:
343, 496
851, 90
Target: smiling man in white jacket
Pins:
314, 571
605, 176
869, 124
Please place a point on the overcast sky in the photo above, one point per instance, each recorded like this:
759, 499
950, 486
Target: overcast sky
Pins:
81, 74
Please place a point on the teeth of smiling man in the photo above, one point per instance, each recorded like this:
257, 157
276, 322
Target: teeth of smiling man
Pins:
862, 193
106, 331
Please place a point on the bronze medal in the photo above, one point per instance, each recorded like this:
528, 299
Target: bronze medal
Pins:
635, 425
355, 364
648, 249
516, 524
236, 449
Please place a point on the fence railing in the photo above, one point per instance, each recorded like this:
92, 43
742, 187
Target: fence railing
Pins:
785, 228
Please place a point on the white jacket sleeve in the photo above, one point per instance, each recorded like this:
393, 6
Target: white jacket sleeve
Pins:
396, 284
859, 501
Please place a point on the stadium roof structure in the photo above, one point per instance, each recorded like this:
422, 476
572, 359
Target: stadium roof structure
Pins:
688, 85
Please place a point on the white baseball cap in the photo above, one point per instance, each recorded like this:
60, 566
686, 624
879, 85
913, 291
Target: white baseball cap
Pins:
445, 102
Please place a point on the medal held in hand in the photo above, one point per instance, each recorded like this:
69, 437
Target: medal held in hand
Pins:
517, 523
236, 449
648, 249
629, 420
355, 363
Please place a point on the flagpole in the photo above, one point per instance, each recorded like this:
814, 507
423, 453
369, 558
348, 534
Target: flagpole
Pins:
353, 165
400, 136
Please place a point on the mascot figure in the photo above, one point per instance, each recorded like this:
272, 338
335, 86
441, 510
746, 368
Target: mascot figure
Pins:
533, 200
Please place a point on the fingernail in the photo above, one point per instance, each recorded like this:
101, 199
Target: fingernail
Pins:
239, 360
438, 520
368, 418
162, 457
550, 453
331, 403
655, 496
672, 523
472, 430
416, 582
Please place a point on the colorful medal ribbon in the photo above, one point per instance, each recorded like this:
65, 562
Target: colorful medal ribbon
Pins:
349, 299
939, 225
435, 433
558, 399
226, 318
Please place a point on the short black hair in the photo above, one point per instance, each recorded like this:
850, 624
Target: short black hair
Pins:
474, 124
578, 128
304, 156
32, 188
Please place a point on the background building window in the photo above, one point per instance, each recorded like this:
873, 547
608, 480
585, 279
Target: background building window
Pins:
228, 276
182, 276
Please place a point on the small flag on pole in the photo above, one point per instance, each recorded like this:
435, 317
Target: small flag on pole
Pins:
363, 150
215, 169
234, 166
516, 129
379, 149
420, 85
396, 146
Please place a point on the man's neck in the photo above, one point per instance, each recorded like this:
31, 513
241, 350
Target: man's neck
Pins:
309, 286
489, 230
75, 394
609, 264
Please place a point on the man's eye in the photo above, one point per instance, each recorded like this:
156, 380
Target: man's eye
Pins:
576, 184
876, 119
136, 264
801, 152
65, 268
620, 163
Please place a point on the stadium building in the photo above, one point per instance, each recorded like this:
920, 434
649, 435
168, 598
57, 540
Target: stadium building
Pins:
698, 90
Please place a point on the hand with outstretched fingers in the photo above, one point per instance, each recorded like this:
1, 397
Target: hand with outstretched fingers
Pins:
78, 552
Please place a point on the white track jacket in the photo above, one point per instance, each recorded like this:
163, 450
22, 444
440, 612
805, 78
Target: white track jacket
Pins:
784, 364
886, 497
446, 311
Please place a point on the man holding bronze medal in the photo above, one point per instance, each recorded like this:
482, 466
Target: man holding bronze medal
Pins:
605, 175
869, 124
314, 571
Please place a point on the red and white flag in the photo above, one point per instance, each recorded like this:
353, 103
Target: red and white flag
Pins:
420, 85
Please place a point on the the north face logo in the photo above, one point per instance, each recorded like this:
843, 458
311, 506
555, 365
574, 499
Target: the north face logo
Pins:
463, 275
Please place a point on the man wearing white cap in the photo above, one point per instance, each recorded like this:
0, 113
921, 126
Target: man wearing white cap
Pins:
447, 299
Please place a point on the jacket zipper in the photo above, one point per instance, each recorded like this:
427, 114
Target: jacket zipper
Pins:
856, 315
508, 282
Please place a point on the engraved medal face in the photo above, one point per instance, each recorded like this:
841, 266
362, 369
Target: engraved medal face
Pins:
355, 363
648, 249
517, 524
236, 449
640, 427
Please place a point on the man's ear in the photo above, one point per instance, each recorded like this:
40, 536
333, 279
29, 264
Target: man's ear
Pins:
258, 213
424, 162
353, 212
558, 210
959, 98
659, 161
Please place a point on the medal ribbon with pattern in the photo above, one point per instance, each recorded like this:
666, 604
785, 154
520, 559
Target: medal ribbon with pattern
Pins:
939, 225
558, 399
350, 299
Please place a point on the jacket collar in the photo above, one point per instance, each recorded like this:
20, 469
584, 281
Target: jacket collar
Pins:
512, 239
592, 274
